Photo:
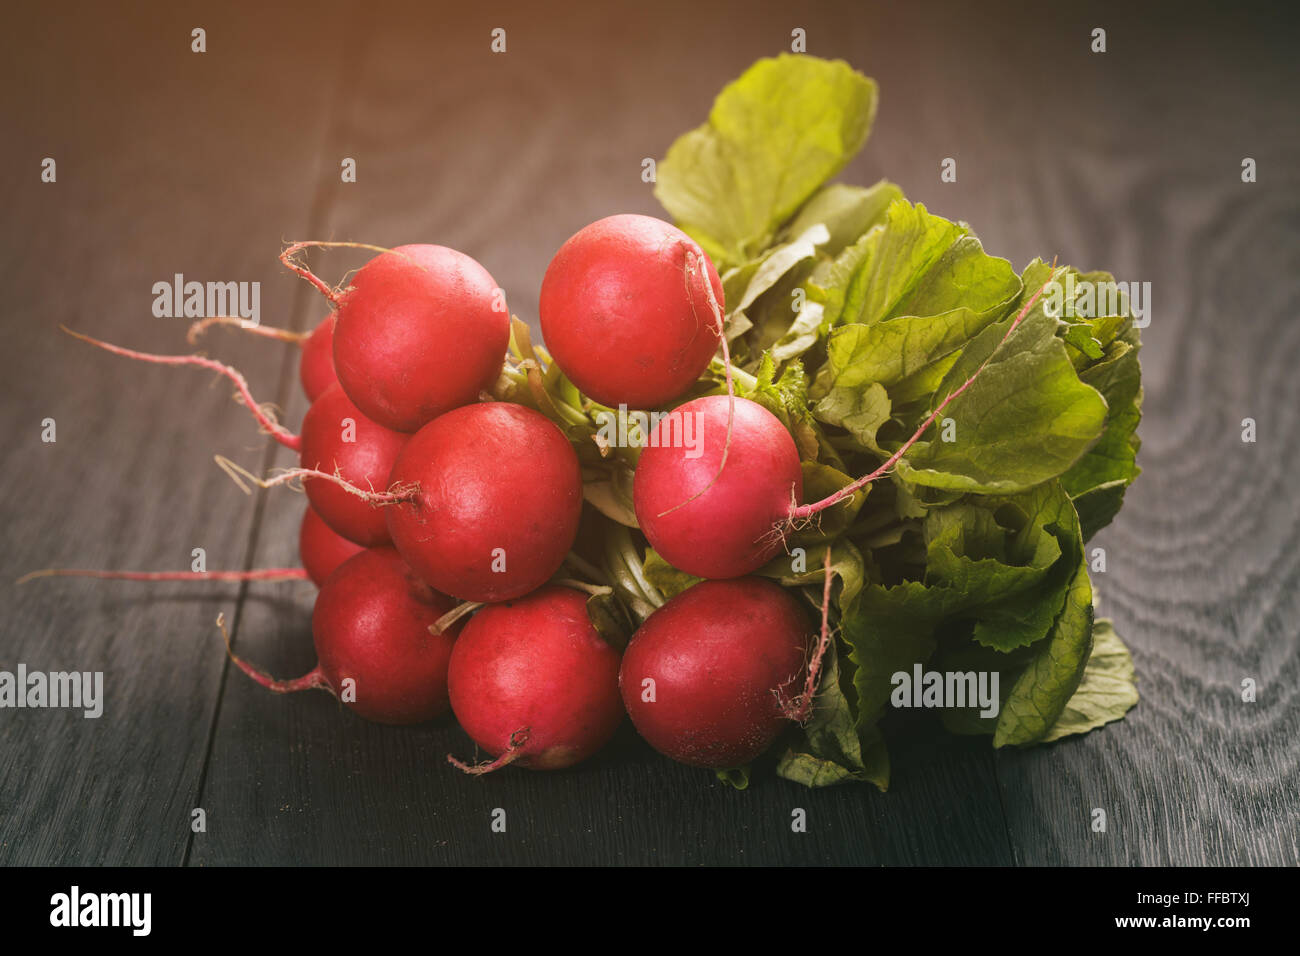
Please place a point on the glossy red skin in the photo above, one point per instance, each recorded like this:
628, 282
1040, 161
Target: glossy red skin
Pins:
321, 548
716, 653
536, 663
365, 463
414, 339
371, 624
725, 532
316, 366
491, 475
617, 316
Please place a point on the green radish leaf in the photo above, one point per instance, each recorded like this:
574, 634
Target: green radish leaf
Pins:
667, 579
913, 265
759, 295
1098, 506
847, 564
1024, 420
830, 750
1107, 691
774, 136
737, 777
777, 262
609, 619
853, 315
786, 398
966, 657
891, 629
1040, 693
821, 481
1098, 480
802, 335
846, 211
859, 410
607, 497
914, 292
1015, 588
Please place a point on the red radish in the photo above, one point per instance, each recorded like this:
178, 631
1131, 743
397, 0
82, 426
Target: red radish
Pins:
372, 628
316, 367
499, 495
320, 548
336, 436
420, 330
702, 677
707, 519
626, 315
316, 364
532, 682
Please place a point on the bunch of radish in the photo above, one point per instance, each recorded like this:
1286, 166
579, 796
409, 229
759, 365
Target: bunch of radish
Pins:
544, 539
443, 516
447, 492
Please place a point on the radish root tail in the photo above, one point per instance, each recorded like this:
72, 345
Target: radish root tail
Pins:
289, 258
267, 331
261, 413
242, 477
455, 614
314, 678
697, 265
799, 708
261, 574
511, 754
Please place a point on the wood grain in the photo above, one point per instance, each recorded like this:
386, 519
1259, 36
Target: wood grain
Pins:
154, 178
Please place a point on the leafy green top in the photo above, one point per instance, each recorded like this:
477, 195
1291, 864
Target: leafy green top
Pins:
852, 315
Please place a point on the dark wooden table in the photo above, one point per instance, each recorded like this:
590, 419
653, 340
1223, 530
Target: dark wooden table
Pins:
171, 162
